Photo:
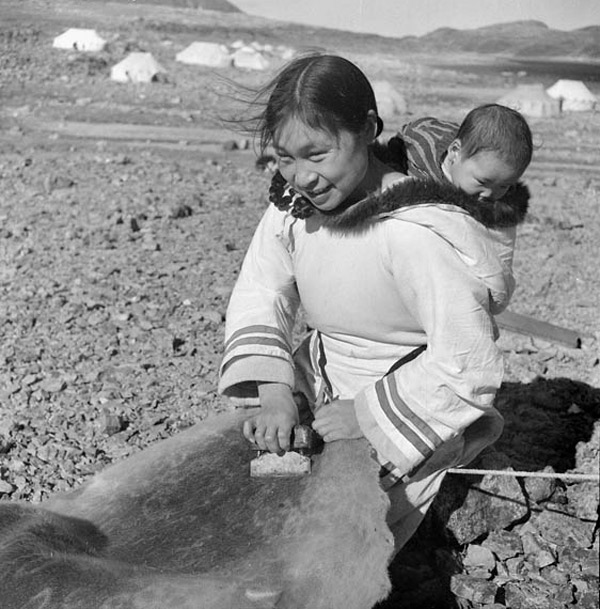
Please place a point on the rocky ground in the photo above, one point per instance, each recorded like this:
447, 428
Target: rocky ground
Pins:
119, 254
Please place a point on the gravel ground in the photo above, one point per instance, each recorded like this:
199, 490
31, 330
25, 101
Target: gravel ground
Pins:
118, 258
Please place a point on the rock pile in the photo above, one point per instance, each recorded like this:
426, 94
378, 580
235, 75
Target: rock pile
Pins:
503, 541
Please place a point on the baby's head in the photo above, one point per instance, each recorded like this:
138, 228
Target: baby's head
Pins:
491, 150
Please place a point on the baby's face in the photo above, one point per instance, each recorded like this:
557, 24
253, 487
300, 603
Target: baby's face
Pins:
484, 174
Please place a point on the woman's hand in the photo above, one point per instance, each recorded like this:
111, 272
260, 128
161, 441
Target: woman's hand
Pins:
337, 421
271, 429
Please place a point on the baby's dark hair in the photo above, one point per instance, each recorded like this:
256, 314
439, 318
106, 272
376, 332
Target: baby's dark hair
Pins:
499, 129
323, 91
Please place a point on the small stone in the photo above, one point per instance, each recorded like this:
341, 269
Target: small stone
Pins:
589, 600
112, 424
7, 425
479, 557
495, 503
577, 560
540, 489
552, 574
29, 379
479, 573
134, 225
563, 529
473, 589
212, 315
53, 384
517, 567
584, 585
591, 565
6, 488
537, 551
181, 211
504, 544
565, 594
532, 594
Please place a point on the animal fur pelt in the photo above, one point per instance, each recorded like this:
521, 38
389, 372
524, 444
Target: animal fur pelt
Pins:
182, 525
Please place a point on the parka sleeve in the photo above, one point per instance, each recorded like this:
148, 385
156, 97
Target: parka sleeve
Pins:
261, 314
448, 389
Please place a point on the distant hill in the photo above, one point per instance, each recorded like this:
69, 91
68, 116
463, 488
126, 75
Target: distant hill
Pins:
516, 39
209, 5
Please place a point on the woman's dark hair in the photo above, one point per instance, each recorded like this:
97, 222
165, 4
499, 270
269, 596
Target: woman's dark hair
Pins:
323, 91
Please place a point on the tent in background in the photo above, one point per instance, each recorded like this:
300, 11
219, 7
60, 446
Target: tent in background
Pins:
531, 101
137, 67
390, 102
205, 54
573, 95
250, 59
79, 40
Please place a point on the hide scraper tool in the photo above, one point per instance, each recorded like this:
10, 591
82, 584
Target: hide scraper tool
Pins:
305, 442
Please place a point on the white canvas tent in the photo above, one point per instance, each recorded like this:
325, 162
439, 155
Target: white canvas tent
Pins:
531, 101
136, 67
79, 40
250, 59
573, 95
205, 54
390, 102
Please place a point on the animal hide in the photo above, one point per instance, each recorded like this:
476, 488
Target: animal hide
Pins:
182, 525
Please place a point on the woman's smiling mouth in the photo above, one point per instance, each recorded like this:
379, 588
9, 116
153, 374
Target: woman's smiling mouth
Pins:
315, 194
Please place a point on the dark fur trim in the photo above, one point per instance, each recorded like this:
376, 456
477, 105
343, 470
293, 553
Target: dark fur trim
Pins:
285, 198
508, 211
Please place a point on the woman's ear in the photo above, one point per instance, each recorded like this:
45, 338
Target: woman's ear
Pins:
374, 126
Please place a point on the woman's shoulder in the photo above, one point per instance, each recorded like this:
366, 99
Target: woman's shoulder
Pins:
410, 194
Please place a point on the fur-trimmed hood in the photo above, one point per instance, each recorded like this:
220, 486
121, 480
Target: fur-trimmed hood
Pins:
486, 247
506, 212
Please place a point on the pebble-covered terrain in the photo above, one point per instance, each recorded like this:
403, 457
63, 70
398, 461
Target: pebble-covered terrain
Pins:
118, 255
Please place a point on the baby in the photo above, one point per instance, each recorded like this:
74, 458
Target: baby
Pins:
485, 155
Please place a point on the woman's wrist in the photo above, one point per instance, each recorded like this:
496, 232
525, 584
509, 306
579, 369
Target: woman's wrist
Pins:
265, 387
276, 393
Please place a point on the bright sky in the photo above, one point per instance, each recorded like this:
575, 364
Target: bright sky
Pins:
399, 18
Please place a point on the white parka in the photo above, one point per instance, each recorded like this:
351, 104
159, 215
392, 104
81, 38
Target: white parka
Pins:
416, 266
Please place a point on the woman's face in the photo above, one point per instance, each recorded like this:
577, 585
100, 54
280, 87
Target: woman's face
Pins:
327, 169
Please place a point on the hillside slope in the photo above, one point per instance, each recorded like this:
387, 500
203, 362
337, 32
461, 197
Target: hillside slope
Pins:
517, 39
207, 5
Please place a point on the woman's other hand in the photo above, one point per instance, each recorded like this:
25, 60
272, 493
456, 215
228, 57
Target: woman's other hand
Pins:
337, 421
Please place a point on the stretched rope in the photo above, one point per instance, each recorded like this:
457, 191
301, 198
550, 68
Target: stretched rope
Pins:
518, 474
